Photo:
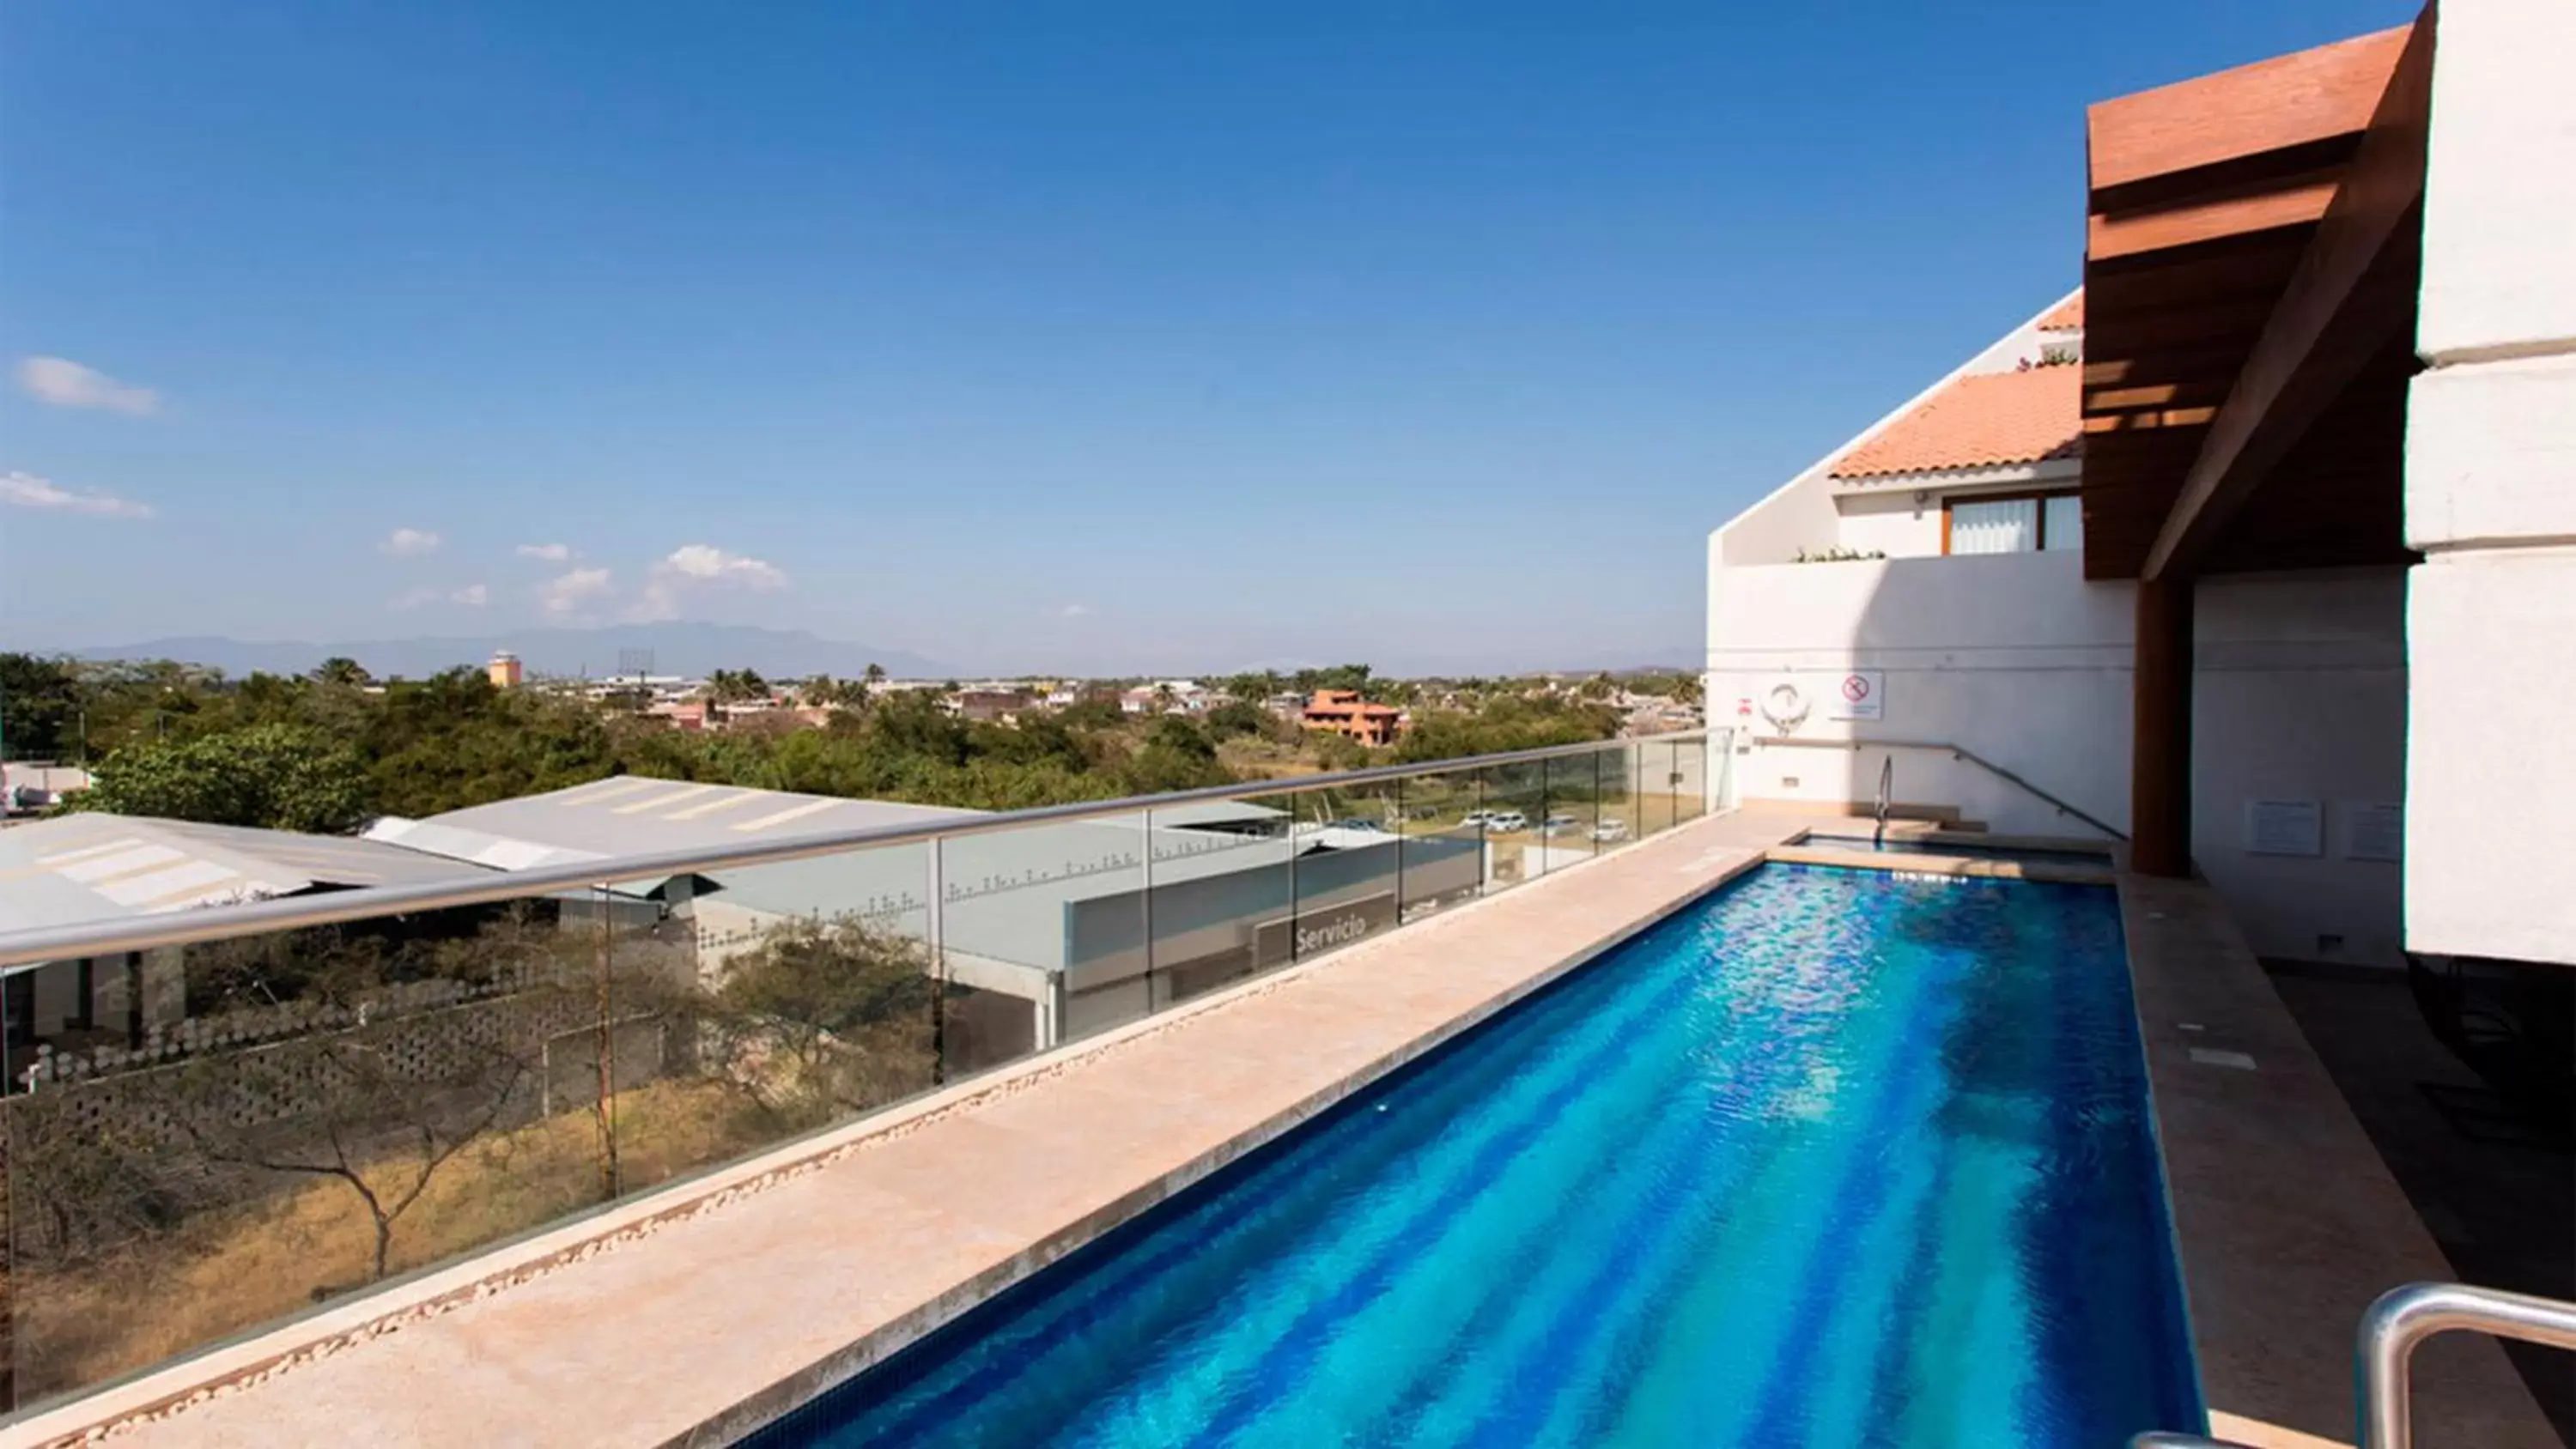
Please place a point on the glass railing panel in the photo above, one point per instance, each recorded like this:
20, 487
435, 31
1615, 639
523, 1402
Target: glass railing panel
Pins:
1689, 778
1350, 866
1615, 822
1223, 894
1658, 806
1515, 802
749, 1006
206, 1138
1443, 847
1573, 808
1054, 914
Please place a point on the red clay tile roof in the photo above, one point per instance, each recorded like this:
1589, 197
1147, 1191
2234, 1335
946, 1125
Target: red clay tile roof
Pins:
2066, 316
1985, 420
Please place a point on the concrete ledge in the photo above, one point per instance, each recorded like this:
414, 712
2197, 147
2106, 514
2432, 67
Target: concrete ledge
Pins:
2287, 1221
779, 1277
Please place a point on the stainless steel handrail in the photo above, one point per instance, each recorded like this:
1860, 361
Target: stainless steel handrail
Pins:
2404, 1317
146, 933
1955, 751
1886, 797
2391, 1328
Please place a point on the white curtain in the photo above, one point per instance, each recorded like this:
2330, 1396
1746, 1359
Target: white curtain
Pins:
2009, 525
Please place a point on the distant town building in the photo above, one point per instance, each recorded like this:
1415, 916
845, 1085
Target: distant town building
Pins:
505, 671
989, 703
1343, 712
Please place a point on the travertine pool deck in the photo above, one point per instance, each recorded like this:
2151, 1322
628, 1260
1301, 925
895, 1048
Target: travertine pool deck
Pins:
696, 1314
694, 1328
2288, 1221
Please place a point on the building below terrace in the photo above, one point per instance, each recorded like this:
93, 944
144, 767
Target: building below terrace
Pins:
1043, 927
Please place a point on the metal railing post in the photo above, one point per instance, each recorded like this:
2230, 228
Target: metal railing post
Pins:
934, 936
2404, 1317
1145, 899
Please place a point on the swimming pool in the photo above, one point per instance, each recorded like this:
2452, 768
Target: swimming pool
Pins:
1827, 1158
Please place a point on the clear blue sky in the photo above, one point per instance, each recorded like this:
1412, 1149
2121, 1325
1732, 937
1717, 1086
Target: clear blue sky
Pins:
1088, 335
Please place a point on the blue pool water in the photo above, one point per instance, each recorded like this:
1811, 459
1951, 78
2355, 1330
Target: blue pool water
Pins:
1829, 1158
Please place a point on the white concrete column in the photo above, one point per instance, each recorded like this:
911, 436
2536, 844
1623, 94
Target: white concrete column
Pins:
2491, 495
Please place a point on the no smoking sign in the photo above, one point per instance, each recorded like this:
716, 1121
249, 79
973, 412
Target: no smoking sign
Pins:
1861, 695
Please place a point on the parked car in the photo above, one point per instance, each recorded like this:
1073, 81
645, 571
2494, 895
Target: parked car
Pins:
1499, 821
1611, 828
1556, 825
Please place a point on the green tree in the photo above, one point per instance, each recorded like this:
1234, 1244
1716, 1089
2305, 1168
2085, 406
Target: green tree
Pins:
1177, 755
822, 1019
282, 777
733, 686
40, 705
342, 670
1239, 717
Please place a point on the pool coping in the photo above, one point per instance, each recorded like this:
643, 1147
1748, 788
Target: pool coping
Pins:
2287, 1223
2060, 872
178, 1399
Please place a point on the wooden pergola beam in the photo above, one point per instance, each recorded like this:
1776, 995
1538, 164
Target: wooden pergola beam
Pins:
2353, 290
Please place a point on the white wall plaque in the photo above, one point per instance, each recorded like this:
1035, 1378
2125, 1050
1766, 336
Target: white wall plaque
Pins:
2284, 827
2373, 831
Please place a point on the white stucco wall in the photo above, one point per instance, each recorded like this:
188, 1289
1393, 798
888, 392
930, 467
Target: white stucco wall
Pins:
2491, 495
2013, 656
2299, 695
1891, 522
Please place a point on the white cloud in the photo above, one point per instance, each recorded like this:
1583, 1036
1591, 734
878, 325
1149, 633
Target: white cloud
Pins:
410, 542
700, 565
26, 490
472, 596
569, 591
709, 564
550, 552
66, 384
1072, 611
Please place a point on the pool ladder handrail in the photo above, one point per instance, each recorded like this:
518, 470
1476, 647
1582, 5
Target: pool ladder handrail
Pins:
1886, 792
2384, 1350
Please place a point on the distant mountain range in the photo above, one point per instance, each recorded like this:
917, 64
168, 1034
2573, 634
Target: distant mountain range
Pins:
693, 650
684, 649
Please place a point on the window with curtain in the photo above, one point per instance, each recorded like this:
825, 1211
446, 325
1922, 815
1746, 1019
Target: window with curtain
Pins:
2061, 523
2000, 525
2016, 525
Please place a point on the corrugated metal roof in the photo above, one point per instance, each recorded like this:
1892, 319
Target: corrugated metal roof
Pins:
92, 867
1008, 892
631, 815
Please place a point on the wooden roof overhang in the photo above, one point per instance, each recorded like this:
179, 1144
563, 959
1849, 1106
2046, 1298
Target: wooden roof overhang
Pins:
2252, 258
